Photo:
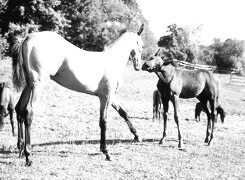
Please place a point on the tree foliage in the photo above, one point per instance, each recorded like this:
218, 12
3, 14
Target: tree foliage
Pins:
177, 44
228, 54
88, 24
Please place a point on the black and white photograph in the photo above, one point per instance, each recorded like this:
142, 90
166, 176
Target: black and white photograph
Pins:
122, 89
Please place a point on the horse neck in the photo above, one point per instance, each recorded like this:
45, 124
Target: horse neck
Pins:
119, 53
166, 75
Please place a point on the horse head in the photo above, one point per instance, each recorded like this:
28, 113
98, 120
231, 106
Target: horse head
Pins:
164, 68
136, 52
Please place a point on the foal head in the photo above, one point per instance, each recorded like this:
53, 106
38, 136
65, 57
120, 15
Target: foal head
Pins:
160, 65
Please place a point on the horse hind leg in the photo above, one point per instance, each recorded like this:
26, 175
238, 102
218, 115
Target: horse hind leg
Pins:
25, 112
221, 113
19, 108
213, 105
11, 115
115, 104
198, 110
104, 103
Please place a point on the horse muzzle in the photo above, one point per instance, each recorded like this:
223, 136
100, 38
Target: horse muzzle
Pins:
146, 67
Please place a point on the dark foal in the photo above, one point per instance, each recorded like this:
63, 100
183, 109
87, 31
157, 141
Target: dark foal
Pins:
177, 83
199, 109
6, 105
157, 105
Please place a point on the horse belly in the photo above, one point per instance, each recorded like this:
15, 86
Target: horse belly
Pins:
190, 91
83, 82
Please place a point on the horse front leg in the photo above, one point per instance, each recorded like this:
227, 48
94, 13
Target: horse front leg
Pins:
124, 115
213, 118
104, 103
165, 103
21, 142
175, 101
11, 115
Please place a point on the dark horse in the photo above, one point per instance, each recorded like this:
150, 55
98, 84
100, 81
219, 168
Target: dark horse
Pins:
6, 104
157, 105
199, 109
157, 108
177, 83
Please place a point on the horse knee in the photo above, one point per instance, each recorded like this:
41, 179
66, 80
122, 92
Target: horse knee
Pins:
28, 116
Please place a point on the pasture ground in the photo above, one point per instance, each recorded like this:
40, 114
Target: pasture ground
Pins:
66, 134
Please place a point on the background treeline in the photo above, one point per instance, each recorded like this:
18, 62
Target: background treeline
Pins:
179, 44
93, 24
88, 24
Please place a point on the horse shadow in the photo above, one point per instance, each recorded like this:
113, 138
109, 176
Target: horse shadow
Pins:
93, 142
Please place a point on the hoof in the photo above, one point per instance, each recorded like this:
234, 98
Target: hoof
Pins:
181, 146
28, 163
206, 140
137, 139
162, 141
21, 154
108, 157
210, 143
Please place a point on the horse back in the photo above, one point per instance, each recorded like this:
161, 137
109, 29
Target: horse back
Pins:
191, 83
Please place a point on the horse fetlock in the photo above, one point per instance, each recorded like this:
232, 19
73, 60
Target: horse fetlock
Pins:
137, 139
181, 144
27, 150
20, 146
162, 140
206, 140
28, 162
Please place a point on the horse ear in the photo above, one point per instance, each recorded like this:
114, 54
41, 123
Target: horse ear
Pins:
141, 29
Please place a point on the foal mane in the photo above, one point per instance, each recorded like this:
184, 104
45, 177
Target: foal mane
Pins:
173, 62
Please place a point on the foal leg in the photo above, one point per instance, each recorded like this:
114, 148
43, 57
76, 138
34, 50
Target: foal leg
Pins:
104, 103
175, 101
206, 110
11, 114
198, 110
165, 103
214, 119
124, 115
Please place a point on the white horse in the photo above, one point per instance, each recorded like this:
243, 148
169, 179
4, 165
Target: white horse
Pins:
45, 55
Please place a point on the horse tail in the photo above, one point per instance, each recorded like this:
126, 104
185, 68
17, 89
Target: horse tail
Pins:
19, 79
221, 112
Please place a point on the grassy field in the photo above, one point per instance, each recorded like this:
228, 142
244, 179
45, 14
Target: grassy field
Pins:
66, 134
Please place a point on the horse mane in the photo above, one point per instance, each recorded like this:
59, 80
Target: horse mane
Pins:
115, 40
173, 62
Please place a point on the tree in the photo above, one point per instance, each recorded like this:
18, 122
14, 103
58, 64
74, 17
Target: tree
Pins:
177, 44
228, 54
88, 24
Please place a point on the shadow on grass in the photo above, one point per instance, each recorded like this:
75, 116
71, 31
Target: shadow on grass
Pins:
81, 142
